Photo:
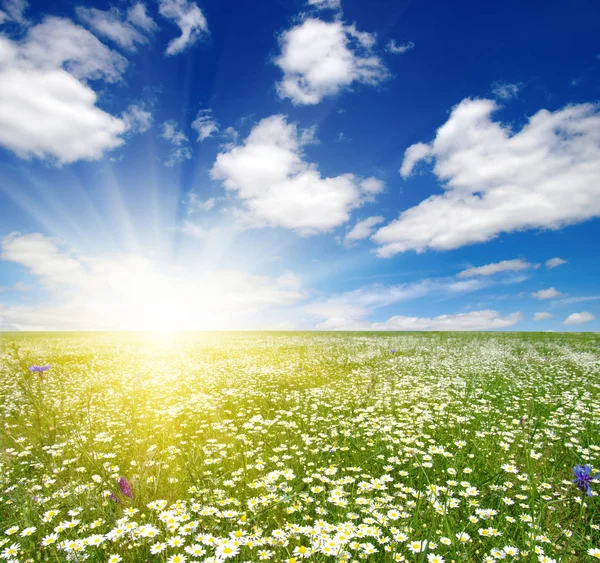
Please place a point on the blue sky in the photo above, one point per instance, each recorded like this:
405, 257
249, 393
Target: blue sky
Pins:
290, 164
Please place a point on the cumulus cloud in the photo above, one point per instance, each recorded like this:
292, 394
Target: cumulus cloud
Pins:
132, 292
114, 26
319, 59
395, 49
579, 318
549, 293
542, 316
472, 321
180, 149
497, 267
43, 80
498, 181
363, 229
205, 124
59, 43
279, 188
414, 154
555, 262
190, 19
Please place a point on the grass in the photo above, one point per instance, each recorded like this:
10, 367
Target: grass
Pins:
299, 446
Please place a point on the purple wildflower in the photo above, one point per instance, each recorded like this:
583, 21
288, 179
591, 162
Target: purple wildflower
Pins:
393, 351
39, 369
114, 498
125, 487
583, 478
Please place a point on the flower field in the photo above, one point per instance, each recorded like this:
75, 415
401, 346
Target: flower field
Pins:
293, 447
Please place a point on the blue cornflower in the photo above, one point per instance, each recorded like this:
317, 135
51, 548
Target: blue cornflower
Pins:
393, 351
583, 478
39, 369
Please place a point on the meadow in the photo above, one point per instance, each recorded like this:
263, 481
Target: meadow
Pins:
300, 447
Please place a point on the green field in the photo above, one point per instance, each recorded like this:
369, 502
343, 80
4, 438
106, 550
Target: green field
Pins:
299, 447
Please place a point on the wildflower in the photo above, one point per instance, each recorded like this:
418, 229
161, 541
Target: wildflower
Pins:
11, 550
114, 558
49, 539
226, 551
594, 552
301, 551
176, 541
125, 487
157, 548
417, 546
583, 478
39, 369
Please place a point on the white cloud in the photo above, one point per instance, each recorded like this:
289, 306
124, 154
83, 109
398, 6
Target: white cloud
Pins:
132, 292
42, 81
363, 229
555, 262
466, 286
111, 24
43, 258
19, 286
59, 43
505, 91
178, 154
138, 16
371, 187
205, 124
172, 133
414, 154
279, 188
137, 118
190, 19
549, 293
325, 4
491, 269
73, 128
14, 11
319, 59
500, 181
396, 49
180, 149
474, 320
542, 316
361, 302
194, 203
582, 299
579, 318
